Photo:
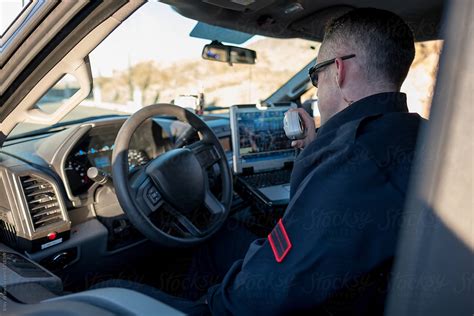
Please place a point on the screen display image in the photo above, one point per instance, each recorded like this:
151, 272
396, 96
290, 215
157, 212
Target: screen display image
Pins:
102, 162
262, 132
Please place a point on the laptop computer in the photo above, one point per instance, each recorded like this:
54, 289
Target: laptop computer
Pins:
262, 154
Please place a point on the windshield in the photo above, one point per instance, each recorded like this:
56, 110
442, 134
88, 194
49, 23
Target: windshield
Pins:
142, 62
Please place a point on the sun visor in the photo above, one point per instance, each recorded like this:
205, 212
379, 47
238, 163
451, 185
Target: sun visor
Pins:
216, 33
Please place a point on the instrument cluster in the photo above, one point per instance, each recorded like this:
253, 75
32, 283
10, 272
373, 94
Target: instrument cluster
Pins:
95, 150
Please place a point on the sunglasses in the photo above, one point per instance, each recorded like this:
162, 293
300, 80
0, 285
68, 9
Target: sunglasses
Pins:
313, 71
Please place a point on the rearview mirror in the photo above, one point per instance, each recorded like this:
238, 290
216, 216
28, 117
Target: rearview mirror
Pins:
217, 51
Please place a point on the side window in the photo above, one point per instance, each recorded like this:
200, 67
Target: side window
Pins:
420, 82
62, 90
309, 101
57, 94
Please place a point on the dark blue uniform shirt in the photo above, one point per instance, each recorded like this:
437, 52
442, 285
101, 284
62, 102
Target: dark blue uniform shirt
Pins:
347, 194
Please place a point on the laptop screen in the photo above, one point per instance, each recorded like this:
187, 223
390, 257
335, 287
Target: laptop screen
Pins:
260, 136
262, 133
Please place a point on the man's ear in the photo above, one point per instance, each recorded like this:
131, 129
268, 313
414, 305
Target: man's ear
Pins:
340, 71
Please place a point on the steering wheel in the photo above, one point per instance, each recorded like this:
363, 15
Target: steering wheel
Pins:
169, 200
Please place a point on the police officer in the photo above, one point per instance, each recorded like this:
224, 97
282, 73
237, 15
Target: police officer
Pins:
332, 251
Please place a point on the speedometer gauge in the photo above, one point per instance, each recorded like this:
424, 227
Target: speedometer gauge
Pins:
137, 158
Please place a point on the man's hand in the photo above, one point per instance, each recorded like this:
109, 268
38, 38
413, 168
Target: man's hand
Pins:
309, 129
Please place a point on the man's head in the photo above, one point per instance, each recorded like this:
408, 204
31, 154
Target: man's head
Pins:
384, 49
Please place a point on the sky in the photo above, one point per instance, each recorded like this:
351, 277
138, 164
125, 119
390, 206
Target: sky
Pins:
153, 32
143, 37
9, 9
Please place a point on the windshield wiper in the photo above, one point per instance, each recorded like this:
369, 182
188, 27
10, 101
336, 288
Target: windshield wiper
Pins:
60, 126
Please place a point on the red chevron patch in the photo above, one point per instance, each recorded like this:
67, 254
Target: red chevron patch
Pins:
279, 241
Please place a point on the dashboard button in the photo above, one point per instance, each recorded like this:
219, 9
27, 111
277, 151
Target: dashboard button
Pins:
153, 195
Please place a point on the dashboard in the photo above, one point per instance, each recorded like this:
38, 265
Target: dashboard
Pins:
69, 153
46, 195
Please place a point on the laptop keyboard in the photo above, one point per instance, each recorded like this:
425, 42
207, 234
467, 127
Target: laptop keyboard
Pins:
266, 179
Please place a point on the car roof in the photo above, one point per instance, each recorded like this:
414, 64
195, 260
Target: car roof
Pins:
305, 18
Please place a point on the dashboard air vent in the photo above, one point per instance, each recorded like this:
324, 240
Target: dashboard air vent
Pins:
43, 204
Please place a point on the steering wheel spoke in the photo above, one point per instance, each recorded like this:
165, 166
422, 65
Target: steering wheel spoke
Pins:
186, 223
146, 193
206, 154
153, 199
213, 204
